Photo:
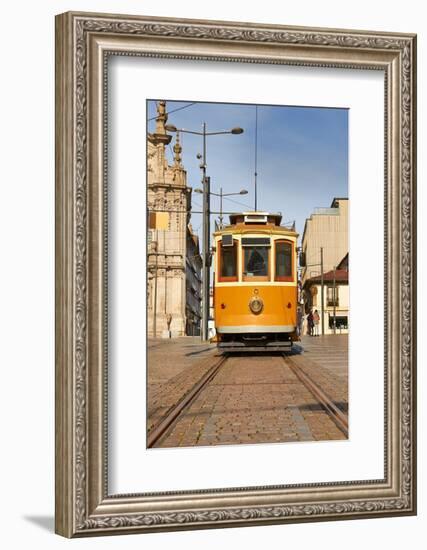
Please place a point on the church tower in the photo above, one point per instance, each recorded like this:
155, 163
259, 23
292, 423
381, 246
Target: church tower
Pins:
168, 203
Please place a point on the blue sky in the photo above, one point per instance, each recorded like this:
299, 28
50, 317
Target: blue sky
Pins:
302, 156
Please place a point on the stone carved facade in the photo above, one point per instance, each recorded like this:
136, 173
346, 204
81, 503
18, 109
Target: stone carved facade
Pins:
174, 262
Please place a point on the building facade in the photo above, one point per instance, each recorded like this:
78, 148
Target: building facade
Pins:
336, 297
326, 234
173, 258
326, 228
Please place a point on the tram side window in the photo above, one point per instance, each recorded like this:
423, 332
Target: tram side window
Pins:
283, 261
255, 262
228, 267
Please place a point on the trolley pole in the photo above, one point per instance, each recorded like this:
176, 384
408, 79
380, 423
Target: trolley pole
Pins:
220, 208
221, 196
322, 294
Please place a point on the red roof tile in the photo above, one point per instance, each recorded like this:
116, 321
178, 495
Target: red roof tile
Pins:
340, 275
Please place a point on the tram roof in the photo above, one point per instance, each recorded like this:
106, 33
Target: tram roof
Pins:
258, 218
244, 221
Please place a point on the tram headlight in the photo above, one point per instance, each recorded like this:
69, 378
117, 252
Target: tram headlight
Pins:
256, 304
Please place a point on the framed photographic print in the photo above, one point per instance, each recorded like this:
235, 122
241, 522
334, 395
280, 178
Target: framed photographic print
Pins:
235, 274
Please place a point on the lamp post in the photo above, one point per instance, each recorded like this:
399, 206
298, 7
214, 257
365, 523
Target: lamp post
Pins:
322, 288
221, 195
322, 291
335, 301
156, 266
206, 217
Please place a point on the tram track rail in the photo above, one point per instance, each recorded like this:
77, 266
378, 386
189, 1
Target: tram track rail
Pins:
334, 413
157, 432
163, 427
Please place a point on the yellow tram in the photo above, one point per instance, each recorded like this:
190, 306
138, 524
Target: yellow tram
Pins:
255, 283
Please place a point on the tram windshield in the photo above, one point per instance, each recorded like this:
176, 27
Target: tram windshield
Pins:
255, 262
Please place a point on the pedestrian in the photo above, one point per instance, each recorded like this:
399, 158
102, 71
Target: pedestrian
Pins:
316, 319
300, 321
310, 323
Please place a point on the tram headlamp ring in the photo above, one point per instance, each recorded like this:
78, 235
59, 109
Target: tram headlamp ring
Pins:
256, 304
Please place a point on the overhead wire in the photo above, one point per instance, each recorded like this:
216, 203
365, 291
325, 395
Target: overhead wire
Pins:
174, 110
237, 202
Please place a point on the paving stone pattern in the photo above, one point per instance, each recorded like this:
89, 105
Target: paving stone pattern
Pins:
325, 360
252, 399
174, 367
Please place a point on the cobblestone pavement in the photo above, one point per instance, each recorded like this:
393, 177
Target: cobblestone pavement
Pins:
325, 360
174, 366
258, 399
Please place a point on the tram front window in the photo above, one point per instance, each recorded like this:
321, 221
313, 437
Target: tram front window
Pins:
255, 262
283, 261
228, 267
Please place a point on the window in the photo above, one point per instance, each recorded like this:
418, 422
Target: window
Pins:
332, 296
227, 262
341, 322
255, 263
284, 261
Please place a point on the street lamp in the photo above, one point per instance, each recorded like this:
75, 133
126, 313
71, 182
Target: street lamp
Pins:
156, 268
322, 288
221, 195
206, 217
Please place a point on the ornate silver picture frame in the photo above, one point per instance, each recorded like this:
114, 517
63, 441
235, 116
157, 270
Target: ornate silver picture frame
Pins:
84, 42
